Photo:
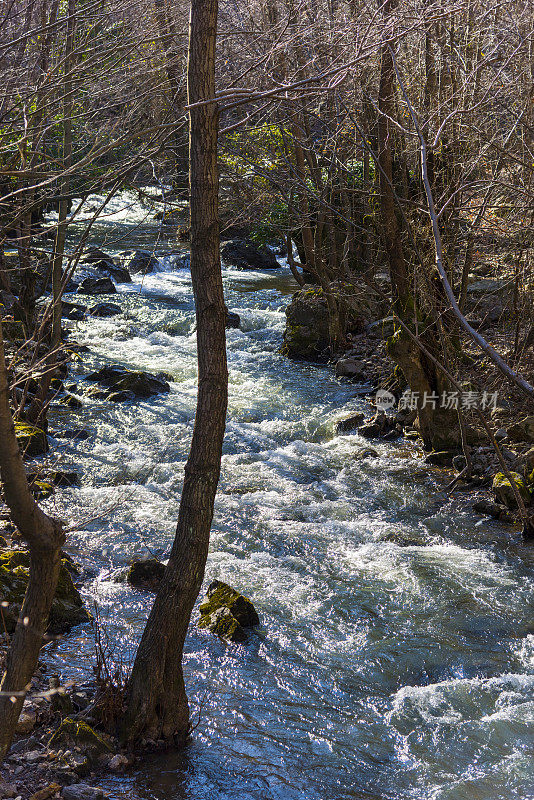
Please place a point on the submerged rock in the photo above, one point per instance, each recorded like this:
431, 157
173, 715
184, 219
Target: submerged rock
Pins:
32, 440
96, 286
227, 613
380, 427
244, 254
67, 607
73, 311
504, 492
138, 384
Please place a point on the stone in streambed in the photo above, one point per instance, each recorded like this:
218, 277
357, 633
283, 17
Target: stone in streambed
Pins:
96, 286
233, 320
244, 254
522, 431
32, 441
495, 510
143, 261
146, 574
227, 613
350, 423
118, 379
82, 791
504, 492
73, 733
441, 458
351, 368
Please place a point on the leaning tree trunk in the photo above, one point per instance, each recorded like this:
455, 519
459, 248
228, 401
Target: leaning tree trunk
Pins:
44, 537
156, 702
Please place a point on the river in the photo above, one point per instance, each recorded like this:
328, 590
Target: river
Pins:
379, 670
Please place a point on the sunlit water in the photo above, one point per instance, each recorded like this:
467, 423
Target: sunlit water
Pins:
379, 671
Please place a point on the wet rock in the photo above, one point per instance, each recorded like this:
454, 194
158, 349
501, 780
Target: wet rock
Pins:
522, 431
244, 254
94, 254
405, 539
71, 401
380, 427
112, 270
351, 368
32, 441
105, 310
227, 613
67, 607
349, 423
441, 458
495, 510
146, 574
143, 261
60, 701
119, 379
74, 733
73, 311
504, 492
233, 320
82, 791
125, 396
96, 286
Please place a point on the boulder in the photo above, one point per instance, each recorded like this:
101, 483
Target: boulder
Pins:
504, 492
307, 331
522, 431
233, 320
227, 613
81, 791
244, 254
71, 401
380, 427
118, 379
350, 423
32, 441
73, 311
143, 261
112, 270
495, 510
146, 574
78, 435
96, 286
67, 607
366, 452
351, 368
94, 254
105, 310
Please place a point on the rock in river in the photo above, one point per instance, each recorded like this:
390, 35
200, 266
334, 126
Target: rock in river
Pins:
227, 613
118, 379
96, 286
244, 254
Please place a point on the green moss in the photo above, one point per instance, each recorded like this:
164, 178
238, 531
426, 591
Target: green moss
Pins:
504, 492
67, 607
75, 732
32, 441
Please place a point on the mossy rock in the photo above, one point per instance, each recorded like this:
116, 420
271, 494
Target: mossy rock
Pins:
522, 431
42, 489
13, 330
226, 612
504, 492
74, 733
67, 607
32, 441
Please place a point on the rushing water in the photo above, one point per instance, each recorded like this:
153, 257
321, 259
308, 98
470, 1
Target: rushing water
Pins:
379, 670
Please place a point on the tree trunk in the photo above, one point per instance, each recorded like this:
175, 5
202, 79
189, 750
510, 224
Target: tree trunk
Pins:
45, 537
156, 706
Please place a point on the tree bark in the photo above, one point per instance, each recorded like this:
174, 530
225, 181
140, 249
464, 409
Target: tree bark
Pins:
44, 537
156, 703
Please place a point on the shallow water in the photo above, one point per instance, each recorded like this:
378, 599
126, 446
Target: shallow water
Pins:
379, 670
